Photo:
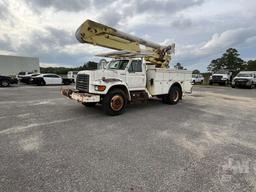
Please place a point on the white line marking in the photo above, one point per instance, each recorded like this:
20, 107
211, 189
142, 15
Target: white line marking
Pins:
18, 129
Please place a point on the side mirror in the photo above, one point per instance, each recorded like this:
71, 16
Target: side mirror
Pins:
103, 63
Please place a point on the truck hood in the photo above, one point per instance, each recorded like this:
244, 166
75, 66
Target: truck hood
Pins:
223, 75
247, 78
103, 73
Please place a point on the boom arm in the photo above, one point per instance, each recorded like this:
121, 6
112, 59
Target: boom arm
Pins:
98, 34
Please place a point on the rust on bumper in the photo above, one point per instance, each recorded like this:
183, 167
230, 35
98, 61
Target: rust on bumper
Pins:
80, 97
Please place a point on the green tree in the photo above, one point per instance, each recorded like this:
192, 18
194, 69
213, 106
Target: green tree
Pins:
179, 67
230, 61
251, 65
196, 71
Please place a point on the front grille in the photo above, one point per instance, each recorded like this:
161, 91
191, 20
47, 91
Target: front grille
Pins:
217, 77
241, 80
82, 82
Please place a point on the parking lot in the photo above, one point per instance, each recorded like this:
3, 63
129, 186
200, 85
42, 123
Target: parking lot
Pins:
50, 143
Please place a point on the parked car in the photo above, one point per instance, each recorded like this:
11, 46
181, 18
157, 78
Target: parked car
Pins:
23, 74
6, 81
50, 79
245, 79
197, 78
27, 78
221, 78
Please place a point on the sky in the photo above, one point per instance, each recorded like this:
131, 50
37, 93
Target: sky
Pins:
201, 29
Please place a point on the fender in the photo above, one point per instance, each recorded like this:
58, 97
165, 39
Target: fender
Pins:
178, 84
112, 83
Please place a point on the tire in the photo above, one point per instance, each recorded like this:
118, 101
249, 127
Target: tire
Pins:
210, 83
251, 86
202, 82
114, 102
5, 83
42, 83
194, 82
89, 104
173, 97
233, 86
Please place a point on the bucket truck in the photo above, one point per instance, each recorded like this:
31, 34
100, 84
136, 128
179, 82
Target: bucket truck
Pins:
132, 74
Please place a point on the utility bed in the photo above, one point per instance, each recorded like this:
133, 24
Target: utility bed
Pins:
159, 80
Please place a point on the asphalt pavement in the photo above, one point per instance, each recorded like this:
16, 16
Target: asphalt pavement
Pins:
207, 142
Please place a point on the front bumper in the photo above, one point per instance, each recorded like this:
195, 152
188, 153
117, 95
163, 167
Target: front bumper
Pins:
217, 81
80, 97
242, 83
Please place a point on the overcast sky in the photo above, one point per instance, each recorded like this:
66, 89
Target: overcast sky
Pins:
201, 29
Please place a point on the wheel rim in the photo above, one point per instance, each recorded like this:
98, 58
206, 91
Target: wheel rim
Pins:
117, 103
175, 96
5, 83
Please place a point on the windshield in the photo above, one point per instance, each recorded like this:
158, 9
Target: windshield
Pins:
22, 73
118, 64
244, 75
34, 75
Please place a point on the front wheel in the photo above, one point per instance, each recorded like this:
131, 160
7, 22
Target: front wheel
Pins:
114, 102
5, 83
41, 83
173, 97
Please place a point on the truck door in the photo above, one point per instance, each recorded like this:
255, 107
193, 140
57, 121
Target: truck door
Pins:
136, 76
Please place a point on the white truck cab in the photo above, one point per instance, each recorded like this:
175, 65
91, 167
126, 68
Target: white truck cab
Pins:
197, 78
72, 75
128, 80
221, 77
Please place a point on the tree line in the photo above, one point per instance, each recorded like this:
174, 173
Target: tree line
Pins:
64, 70
229, 61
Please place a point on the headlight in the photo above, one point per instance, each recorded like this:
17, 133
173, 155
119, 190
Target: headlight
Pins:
100, 87
224, 78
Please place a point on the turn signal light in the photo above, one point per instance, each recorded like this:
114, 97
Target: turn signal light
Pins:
100, 88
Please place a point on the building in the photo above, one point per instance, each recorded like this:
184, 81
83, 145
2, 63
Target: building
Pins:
12, 65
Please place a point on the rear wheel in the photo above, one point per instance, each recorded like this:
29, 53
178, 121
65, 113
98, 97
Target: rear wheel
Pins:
173, 97
114, 102
5, 83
